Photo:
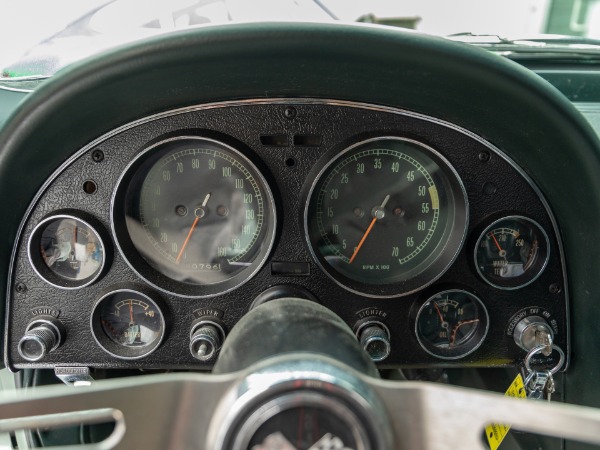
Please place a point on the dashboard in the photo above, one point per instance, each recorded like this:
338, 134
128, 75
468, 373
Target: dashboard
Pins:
148, 245
429, 202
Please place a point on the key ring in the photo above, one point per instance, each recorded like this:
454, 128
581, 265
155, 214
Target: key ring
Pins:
535, 350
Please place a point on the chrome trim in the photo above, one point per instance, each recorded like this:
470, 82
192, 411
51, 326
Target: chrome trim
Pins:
462, 355
277, 376
269, 204
488, 228
288, 401
31, 258
327, 270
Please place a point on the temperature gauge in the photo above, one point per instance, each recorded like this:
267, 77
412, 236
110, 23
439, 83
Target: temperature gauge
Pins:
67, 251
451, 324
512, 252
128, 324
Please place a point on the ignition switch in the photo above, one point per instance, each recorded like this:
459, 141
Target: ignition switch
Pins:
534, 331
533, 327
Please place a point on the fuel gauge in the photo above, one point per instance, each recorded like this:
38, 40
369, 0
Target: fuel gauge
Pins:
451, 324
512, 252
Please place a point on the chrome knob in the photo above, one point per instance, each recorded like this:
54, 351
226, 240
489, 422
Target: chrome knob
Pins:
206, 340
375, 340
40, 339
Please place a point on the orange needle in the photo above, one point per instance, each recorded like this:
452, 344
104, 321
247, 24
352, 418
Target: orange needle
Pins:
357, 249
193, 227
496, 242
438, 311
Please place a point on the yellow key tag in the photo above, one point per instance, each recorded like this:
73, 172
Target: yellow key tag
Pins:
496, 433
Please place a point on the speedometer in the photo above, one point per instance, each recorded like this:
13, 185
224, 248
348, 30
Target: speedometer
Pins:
194, 216
386, 217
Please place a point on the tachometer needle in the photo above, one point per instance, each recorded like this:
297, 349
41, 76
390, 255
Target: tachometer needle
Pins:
192, 228
357, 249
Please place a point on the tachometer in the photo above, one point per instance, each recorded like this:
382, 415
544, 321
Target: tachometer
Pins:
194, 216
386, 217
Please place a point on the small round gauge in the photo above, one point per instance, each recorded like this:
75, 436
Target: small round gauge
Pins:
386, 217
451, 324
512, 252
128, 324
194, 216
67, 251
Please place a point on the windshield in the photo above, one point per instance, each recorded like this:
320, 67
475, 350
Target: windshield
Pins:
46, 36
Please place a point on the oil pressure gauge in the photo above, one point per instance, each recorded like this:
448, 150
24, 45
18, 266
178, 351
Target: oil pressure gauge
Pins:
451, 324
512, 252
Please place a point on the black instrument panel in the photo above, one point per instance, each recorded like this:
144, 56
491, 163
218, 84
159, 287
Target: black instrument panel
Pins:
288, 145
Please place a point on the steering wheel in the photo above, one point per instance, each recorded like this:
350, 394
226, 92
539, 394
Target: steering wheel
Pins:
289, 356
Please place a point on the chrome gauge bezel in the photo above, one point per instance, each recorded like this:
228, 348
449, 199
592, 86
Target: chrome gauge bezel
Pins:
44, 272
120, 351
435, 265
153, 276
522, 281
474, 342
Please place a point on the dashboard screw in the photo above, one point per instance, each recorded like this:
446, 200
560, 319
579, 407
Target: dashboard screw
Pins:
20, 288
290, 112
97, 156
554, 288
484, 156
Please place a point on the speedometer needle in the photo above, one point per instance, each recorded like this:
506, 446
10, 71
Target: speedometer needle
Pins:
193, 227
377, 215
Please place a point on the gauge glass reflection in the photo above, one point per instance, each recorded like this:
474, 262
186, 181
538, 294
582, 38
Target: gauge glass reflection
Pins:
67, 251
198, 213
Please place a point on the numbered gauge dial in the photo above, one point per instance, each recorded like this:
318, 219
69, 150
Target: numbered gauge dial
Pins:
67, 251
512, 252
128, 324
197, 214
451, 324
386, 217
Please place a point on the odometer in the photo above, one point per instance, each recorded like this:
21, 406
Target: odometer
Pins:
386, 217
198, 214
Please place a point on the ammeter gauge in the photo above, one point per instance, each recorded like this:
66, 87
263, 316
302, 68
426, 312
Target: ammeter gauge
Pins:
128, 324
